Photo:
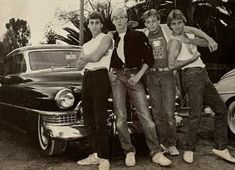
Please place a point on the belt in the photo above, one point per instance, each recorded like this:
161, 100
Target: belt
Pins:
124, 69
160, 69
193, 68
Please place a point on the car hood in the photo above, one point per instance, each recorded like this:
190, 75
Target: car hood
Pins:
226, 85
58, 76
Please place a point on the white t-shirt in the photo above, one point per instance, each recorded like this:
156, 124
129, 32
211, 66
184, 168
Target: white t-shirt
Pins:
120, 48
187, 51
91, 46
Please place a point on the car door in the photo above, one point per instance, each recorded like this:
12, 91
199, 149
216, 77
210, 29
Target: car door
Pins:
12, 99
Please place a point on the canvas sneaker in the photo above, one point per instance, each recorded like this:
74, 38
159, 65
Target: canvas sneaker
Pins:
160, 159
92, 159
224, 154
130, 159
104, 164
172, 150
188, 156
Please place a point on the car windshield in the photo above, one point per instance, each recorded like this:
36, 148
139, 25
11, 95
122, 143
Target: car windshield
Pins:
53, 59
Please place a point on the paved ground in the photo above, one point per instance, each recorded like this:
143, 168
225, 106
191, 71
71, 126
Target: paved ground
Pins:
16, 154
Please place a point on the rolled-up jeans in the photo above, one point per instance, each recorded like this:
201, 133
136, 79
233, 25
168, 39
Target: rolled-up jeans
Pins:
120, 88
200, 90
161, 85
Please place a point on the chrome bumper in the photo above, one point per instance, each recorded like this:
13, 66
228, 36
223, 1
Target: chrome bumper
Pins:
69, 132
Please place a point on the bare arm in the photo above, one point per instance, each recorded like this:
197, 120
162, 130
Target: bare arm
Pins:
199, 42
81, 63
212, 45
173, 52
100, 51
195, 41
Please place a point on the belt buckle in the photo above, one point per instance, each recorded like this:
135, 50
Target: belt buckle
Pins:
163, 69
153, 69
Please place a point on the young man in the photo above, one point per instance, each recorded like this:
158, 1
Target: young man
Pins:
161, 80
95, 57
183, 54
132, 56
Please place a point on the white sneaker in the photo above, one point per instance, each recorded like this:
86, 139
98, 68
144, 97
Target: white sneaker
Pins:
92, 159
130, 159
160, 159
104, 164
172, 150
188, 156
224, 154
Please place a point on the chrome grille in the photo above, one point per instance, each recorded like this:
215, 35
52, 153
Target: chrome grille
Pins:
60, 119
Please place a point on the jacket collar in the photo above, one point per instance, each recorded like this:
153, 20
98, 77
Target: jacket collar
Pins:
115, 35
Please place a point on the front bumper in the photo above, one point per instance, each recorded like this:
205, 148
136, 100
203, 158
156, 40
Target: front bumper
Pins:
67, 132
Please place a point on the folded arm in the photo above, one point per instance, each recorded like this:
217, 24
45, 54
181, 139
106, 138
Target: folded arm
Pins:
100, 51
173, 52
212, 45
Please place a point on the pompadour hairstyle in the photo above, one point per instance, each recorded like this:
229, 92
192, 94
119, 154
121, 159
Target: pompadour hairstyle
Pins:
175, 14
95, 15
149, 13
118, 11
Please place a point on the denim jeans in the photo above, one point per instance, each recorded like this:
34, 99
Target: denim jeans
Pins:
95, 93
161, 85
136, 93
200, 90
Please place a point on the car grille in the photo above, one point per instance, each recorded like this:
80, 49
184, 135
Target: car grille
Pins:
60, 119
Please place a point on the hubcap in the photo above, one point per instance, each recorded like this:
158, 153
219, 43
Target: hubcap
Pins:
43, 140
231, 117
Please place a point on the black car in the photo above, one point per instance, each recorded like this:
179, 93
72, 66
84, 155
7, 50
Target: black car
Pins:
40, 93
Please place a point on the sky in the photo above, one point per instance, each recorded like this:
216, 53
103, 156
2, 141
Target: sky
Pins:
38, 14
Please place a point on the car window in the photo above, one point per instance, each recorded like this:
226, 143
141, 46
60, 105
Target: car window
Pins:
50, 59
16, 64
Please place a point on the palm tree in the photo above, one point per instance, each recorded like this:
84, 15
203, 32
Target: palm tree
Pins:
73, 35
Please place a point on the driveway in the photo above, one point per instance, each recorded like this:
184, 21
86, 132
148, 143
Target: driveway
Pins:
17, 154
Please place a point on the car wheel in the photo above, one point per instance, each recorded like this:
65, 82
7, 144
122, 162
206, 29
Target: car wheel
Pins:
51, 147
231, 118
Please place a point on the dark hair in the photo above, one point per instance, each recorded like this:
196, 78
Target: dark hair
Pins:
95, 15
175, 14
149, 13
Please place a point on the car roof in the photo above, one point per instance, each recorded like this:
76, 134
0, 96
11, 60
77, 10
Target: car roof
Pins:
44, 46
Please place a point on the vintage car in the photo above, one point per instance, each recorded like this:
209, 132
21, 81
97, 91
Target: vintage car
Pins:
226, 88
40, 94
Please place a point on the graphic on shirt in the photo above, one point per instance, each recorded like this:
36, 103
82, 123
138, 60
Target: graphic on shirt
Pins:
158, 48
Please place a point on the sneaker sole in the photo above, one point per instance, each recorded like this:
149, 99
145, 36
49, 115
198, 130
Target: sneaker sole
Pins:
217, 154
163, 165
174, 154
87, 164
129, 165
189, 162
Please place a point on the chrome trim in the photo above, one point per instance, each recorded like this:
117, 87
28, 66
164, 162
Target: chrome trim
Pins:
67, 119
57, 98
42, 112
65, 132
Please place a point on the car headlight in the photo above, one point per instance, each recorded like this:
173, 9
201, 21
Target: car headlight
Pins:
64, 99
